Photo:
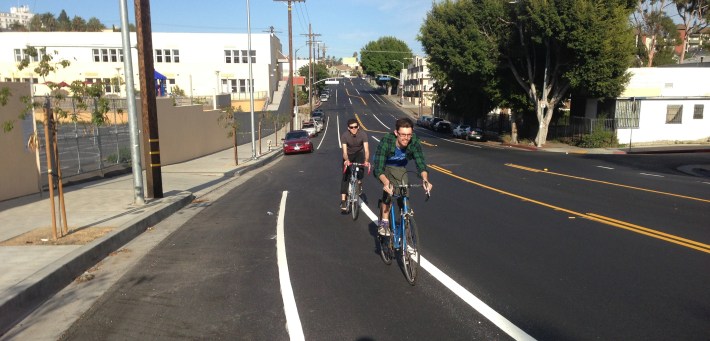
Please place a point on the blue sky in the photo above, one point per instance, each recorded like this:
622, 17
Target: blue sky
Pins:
345, 25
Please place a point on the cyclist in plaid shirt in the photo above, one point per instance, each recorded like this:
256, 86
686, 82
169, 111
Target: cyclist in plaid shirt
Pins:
391, 158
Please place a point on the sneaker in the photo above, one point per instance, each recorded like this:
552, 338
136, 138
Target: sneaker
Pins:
343, 205
383, 228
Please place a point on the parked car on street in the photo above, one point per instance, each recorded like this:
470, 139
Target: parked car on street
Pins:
324, 98
422, 119
297, 141
442, 126
461, 130
310, 127
476, 134
431, 123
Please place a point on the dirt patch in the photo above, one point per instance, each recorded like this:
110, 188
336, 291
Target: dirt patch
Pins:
43, 236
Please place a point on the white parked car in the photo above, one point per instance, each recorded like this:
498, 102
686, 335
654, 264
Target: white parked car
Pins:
461, 131
310, 127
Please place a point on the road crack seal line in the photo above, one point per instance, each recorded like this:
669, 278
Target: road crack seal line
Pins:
594, 217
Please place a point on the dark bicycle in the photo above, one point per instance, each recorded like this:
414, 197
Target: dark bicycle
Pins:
354, 188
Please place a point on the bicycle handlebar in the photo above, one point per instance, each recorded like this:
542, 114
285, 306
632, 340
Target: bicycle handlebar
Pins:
369, 167
428, 193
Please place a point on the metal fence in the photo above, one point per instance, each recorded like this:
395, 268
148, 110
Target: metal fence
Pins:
87, 148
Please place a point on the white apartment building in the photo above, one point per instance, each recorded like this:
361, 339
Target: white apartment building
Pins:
198, 63
418, 85
20, 15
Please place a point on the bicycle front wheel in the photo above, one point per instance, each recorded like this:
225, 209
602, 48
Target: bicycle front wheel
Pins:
386, 251
354, 200
410, 253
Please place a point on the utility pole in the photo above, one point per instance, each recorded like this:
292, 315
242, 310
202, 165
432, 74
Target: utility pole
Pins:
311, 68
150, 110
290, 60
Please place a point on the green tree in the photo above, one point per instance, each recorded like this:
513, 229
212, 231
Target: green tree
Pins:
94, 25
78, 24
376, 58
462, 57
320, 73
63, 22
695, 15
654, 28
543, 50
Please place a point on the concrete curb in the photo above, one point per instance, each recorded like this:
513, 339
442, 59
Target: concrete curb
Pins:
257, 164
20, 300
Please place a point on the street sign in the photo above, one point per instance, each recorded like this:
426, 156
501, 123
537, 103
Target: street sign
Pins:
384, 79
332, 82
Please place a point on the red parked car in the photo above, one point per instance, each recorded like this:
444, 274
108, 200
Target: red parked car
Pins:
297, 141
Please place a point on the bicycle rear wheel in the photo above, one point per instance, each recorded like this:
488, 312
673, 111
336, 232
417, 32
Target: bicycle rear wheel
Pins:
410, 253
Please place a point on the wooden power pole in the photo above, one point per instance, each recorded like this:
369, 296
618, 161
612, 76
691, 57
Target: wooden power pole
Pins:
290, 61
151, 145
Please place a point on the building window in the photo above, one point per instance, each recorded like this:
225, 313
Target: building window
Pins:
242, 85
245, 57
674, 114
231, 56
21, 54
698, 111
158, 56
253, 56
627, 114
230, 84
108, 86
176, 56
107, 55
167, 56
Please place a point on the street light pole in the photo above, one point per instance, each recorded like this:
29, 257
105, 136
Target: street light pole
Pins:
401, 84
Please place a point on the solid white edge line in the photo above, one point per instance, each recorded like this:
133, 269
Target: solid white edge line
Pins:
293, 322
488, 312
473, 301
656, 175
337, 124
605, 167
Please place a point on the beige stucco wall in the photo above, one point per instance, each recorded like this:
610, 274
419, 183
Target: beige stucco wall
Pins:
188, 132
18, 170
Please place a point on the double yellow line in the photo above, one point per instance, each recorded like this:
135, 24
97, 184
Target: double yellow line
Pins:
591, 216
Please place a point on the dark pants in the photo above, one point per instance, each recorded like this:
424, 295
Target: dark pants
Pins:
359, 158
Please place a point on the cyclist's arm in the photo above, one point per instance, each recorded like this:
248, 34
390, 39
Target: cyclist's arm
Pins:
346, 160
366, 145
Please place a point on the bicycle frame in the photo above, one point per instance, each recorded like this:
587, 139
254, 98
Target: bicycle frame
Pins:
398, 224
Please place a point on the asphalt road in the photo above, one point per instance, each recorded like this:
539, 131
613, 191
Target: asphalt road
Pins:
557, 246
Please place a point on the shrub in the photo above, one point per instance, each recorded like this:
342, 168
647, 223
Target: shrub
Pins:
598, 139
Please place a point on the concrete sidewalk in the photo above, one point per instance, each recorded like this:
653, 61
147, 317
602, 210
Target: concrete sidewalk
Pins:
32, 273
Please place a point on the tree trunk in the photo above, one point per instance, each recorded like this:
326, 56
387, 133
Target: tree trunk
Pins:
513, 127
544, 116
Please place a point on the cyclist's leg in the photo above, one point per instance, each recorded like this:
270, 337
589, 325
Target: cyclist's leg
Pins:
344, 182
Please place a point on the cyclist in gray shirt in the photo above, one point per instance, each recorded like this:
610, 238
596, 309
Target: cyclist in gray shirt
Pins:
355, 149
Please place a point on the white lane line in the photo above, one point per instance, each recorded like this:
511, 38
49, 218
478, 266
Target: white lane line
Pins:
656, 175
293, 322
350, 100
325, 131
475, 303
382, 123
605, 167
376, 101
337, 121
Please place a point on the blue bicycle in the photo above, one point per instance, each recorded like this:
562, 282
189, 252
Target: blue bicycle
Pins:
404, 239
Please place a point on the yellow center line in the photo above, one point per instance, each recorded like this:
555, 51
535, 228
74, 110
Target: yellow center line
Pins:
348, 93
608, 183
591, 216
362, 126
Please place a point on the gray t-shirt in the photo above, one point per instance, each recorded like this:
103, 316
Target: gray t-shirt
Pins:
355, 143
